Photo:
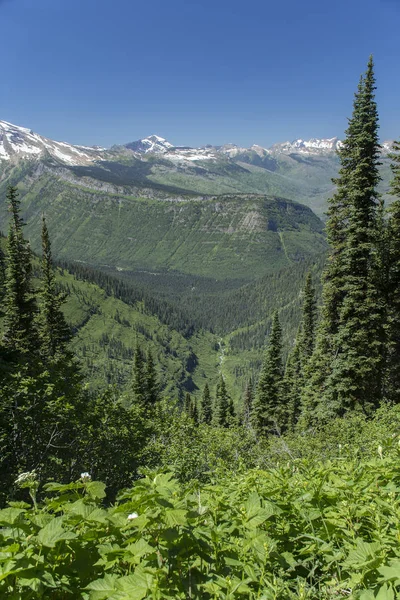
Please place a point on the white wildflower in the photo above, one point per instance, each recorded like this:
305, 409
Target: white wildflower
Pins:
133, 515
26, 479
86, 477
380, 451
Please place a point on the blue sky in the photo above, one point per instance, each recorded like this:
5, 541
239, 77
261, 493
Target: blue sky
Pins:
195, 72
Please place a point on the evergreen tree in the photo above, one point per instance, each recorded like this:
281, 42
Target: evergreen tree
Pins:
139, 378
19, 301
152, 390
248, 403
306, 336
292, 386
392, 383
206, 406
54, 333
268, 406
346, 369
222, 404
194, 413
187, 406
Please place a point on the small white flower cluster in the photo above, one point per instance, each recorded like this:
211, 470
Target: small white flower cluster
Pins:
380, 451
86, 477
28, 479
133, 515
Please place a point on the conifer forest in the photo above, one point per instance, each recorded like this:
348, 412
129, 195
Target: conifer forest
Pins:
207, 437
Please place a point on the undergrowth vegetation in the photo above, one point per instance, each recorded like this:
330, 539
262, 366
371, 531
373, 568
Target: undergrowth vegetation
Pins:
299, 530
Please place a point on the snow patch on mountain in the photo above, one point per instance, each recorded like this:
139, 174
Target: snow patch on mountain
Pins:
152, 144
313, 146
19, 142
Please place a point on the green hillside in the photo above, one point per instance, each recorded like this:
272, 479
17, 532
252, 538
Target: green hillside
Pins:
227, 237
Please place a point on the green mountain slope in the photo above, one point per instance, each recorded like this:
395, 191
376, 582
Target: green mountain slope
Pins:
226, 237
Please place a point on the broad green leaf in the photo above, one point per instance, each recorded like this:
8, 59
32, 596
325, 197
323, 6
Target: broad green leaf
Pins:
54, 532
391, 572
101, 589
96, 489
137, 585
139, 548
9, 516
175, 517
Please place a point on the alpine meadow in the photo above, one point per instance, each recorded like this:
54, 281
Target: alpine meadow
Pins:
200, 367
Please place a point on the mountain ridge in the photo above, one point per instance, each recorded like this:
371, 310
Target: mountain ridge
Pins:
22, 142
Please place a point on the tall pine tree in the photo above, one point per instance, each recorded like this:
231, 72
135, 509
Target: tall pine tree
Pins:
346, 370
268, 413
206, 406
54, 333
222, 412
392, 380
20, 335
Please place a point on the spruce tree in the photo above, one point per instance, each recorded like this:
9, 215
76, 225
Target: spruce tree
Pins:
248, 403
19, 301
292, 386
206, 406
306, 336
187, 404
139, 379
346, 369
268, 406
194, 412
222, 404
152, 390
54, 333
392, 380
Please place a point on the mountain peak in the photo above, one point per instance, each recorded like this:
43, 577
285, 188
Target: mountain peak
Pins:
152, 143
20, 142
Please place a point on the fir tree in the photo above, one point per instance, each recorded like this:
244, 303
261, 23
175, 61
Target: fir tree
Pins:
187, 405
306, 336
222, 404
292, 386
139, 378
392, 382
152, 393
346, 369
206, 406
248, 403
194, 413
19, 301
268, 409
54, 333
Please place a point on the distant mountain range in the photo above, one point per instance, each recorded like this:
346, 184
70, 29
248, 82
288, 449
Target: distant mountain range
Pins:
20, 142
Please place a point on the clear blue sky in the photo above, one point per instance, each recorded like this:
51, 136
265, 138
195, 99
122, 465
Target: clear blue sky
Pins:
195, 71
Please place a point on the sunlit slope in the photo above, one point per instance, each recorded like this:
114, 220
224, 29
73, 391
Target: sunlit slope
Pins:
235, 236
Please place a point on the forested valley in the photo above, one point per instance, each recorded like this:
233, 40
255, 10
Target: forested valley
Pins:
134, 466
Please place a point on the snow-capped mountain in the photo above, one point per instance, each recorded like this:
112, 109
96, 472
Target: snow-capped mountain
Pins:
152, 144
19, 142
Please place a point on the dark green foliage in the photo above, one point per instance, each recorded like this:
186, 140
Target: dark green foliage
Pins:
346, 371
206, 413
293, 382
20, 335
152, 388
248, 399
54, 332
268, 413
392, 387
223, 404
139, 383
306, 337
